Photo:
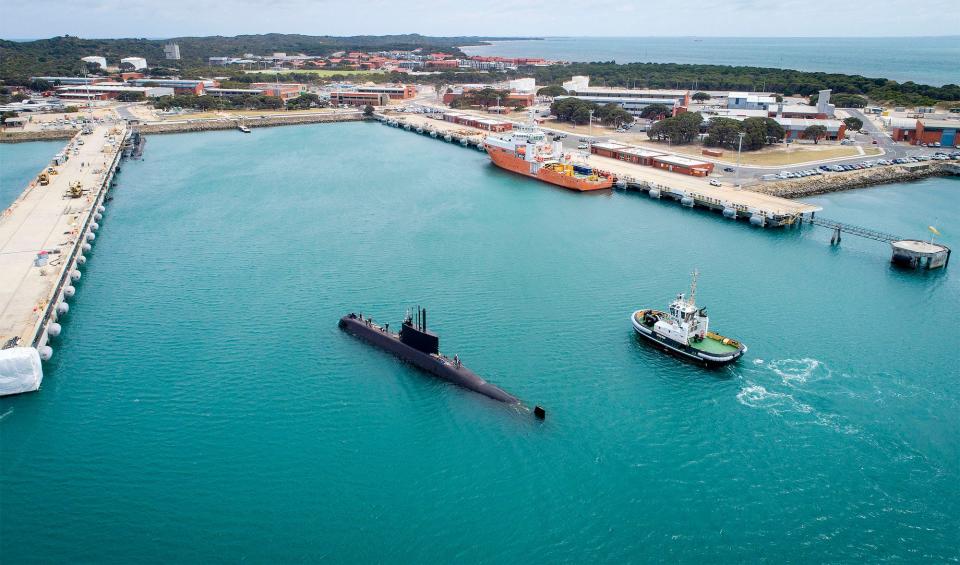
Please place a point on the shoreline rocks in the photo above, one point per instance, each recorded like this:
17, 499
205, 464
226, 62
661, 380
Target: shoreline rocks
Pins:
252, 122
47, 135
849, 180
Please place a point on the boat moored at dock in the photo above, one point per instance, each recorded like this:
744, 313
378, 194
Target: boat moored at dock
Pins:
526, 151
685, 331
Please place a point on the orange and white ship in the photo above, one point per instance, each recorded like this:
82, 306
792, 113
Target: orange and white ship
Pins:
526, 151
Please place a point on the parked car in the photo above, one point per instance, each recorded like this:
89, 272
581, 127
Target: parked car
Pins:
714, 182
728, 169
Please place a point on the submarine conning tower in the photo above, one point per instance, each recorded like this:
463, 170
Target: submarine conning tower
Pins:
415, 334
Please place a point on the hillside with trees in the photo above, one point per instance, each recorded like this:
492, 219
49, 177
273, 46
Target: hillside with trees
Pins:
61, 55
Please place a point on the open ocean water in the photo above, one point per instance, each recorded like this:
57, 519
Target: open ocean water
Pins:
924, 60
202, 404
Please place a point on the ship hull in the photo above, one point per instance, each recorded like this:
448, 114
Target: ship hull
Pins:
506, 160
683, 350
436, 365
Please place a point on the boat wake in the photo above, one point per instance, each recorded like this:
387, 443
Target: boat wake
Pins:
794, 411
795, 372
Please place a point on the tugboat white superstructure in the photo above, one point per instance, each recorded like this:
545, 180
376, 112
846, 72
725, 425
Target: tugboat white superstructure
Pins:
685, 330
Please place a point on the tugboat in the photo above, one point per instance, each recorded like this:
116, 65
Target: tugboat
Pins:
421, 347
685, 331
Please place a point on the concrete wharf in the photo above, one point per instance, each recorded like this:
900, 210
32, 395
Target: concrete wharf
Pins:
45, 233
759, 209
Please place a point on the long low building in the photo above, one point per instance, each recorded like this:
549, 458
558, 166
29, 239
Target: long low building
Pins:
109, 91
478, 123
354, 98
650, 158
395, 92
179, 86
627, 153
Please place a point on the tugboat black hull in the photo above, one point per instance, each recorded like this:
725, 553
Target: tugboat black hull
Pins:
684, 350
436, 365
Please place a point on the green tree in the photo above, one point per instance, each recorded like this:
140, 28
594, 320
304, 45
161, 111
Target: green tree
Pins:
368, 110
655, 112
723, 132
131, 97
40, 85
581, 115
680, 129
816, 133
700, 97
853, 123
552, 90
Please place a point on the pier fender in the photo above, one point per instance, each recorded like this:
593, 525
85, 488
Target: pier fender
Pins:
69, 291
20, 370
687, 201
91, 236
81, 260
98, 216
654, 193
729, 213
101, 209
756, 220
63, 308
53, 329
94, 226
86, 247
74, 275
45, 352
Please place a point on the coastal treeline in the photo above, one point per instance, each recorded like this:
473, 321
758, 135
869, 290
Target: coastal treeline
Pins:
720, 77
217, 103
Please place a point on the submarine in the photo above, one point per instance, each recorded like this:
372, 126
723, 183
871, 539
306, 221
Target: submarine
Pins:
419, 346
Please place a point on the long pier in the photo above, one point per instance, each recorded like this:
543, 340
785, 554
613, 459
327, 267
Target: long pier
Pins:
759, 209
45, 233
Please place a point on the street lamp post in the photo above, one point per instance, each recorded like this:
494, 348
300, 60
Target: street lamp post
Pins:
591, 124
498, 105
739, 148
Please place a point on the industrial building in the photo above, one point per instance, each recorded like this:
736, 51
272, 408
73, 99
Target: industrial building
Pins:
395, 92
917, 132
71, 80
630, 99
354, 98
283, 90
179, 86
109, 91
794, 128
641, 156
233, 92
626, 153
746, 101
138, 63
478, 123
683, 165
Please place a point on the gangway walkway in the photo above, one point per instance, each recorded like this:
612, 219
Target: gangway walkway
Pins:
851, 229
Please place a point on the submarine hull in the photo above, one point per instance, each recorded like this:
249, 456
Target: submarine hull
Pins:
436, 365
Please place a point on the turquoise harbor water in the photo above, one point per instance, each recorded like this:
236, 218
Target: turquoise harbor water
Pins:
924, 60
203, 406
20, 163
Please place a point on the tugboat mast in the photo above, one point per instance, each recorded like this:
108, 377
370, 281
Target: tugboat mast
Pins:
693, 288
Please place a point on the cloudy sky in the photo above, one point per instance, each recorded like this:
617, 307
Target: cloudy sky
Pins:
170, 18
